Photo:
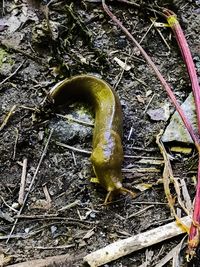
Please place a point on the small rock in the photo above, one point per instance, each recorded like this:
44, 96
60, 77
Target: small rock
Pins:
159, 114
176, 130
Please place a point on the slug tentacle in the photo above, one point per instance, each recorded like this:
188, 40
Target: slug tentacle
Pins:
107, 153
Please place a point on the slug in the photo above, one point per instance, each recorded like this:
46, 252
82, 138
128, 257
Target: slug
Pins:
107, 151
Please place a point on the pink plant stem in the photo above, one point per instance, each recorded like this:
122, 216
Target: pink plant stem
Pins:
183, 45
157, 72
194, 235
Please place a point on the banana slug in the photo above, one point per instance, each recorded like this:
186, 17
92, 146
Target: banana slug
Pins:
107, 152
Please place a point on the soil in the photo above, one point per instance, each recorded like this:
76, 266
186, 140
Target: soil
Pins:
45, 42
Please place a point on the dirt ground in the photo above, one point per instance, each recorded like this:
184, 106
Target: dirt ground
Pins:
40, 45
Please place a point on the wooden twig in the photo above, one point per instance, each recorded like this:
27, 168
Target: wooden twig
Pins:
8, 116
61, 260
12, 74
126, 246
15, 144
23, 181
171, 254
70, 118
159, 32
88, 152
47, 195
31, 184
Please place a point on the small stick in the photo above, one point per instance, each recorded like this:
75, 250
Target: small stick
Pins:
126, 246
31, 184
159, 32
12, 74
60, 260
70, 205
15, 144
70, 118
139, 212
47, 196
88, 152
120, 76
8, 116
52, 247
148, 104
130, 133
141, 170
22, 184
11, 208
74, 158
143, 37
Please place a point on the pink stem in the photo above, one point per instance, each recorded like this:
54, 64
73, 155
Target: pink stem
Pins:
194, 235
186, 54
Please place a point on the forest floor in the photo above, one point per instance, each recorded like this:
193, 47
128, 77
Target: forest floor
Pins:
42, 44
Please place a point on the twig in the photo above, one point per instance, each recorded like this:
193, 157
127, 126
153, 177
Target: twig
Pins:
139, 212
171, 254
8, 116
143, 37
88, 152
11, 208
120, 75
22, 184
47, 195
74, 148
15, 144
12, 74
70, 118
71, 205
61, 260
159, 32
144, 170
31, 184
126, 246
53, 247
148, 104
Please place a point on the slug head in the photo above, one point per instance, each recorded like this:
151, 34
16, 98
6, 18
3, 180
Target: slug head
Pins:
106, 159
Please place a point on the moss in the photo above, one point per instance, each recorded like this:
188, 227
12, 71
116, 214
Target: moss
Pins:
5, 58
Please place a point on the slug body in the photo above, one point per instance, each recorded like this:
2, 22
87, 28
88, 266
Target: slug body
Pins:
107, 152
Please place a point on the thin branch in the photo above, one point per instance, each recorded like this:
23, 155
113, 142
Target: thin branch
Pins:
143, 240
31, 184
12, 74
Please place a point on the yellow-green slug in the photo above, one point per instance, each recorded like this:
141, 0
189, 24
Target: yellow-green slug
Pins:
107, 152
